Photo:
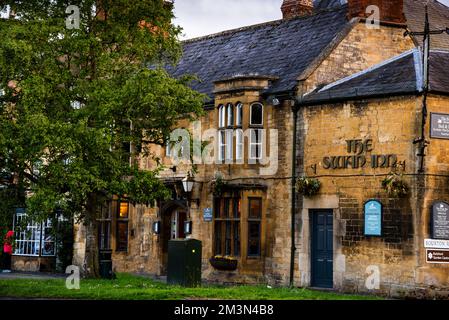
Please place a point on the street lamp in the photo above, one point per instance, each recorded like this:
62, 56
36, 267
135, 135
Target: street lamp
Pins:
187, 184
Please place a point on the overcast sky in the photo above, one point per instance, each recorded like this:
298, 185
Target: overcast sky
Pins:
203, 17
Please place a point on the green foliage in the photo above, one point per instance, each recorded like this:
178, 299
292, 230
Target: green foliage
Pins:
64, 244
9, 200
130, 287
218, 186
74, 97
308, 186
395, 186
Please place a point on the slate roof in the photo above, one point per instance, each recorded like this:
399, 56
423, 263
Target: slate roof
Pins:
285, 48
439, 71
401, 75
438, 17
282, 48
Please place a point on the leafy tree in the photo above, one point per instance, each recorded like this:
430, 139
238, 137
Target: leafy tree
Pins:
73, 100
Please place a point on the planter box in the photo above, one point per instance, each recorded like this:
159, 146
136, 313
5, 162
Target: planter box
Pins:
223, 264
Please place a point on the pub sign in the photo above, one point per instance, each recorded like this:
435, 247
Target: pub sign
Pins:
439, 126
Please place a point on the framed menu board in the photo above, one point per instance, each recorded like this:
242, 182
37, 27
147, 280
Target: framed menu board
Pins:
373, 218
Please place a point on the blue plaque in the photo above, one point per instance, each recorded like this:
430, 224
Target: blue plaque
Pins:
373, 218
207, 214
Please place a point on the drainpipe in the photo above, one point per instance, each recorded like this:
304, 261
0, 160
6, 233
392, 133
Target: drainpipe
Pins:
293, 204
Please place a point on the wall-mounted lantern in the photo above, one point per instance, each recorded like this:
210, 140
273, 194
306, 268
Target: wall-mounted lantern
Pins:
188, 227
187, 184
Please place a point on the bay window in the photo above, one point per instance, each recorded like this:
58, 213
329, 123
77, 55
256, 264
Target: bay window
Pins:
230, 124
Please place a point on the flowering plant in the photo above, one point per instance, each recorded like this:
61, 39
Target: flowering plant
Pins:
218, 257
395, 186
308, 186
220, 262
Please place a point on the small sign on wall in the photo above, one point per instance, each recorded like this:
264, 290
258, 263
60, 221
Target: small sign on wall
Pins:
373, 218
439, 126
207, 214
440, 220
436, 244
437, 256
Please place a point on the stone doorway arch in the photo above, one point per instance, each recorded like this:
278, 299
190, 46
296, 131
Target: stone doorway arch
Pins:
173, 215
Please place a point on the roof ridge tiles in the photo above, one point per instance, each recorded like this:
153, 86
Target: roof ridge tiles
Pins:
261, 25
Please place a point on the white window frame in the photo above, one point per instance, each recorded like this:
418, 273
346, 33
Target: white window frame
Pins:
251, 114
230, 115
239, 115
229, 145
254, 143
47, 238
239, 144
221, 145
221, 116
31, 241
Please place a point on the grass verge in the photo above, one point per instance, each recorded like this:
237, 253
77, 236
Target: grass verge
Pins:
131, 287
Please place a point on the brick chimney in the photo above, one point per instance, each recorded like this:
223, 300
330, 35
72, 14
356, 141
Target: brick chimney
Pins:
296, 8
391, 11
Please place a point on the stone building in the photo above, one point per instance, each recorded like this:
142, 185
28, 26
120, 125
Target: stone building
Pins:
381, 111
324, 94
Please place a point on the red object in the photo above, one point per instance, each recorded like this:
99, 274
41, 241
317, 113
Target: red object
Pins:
7, 247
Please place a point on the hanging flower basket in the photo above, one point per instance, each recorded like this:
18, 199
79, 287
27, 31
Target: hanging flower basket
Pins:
308, 186
395, 186
223, 263
218, 186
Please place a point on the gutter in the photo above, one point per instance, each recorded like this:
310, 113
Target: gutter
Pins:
312, 102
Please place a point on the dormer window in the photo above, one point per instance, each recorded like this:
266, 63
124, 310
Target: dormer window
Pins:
230, 112
256, 114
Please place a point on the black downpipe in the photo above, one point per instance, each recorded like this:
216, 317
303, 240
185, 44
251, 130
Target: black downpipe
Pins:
293, 204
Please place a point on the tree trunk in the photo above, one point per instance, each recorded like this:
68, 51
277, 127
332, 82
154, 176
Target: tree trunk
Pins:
92, 263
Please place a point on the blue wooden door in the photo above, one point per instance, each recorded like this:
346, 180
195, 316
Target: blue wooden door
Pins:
322, 248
